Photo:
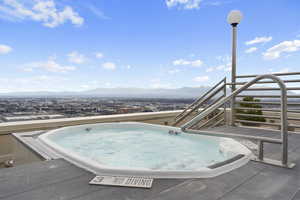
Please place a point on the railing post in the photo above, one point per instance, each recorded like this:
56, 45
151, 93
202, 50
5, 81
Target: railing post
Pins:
260, 150
284, 125
225, 117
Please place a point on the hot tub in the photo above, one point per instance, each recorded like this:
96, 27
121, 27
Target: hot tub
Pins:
139, 149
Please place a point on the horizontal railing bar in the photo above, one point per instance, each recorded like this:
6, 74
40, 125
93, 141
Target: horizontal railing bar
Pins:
294, 126
257, 122
267, 123
268, 103
269, 88
266, 116
268, 96
265, 82
267, 109
230, 135
276, 74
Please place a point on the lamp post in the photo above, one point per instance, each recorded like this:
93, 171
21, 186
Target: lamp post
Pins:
233, 18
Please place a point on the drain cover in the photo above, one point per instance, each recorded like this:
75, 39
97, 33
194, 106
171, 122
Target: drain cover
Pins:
139, 182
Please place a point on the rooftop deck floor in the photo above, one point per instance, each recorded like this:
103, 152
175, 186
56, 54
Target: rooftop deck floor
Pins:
58, 179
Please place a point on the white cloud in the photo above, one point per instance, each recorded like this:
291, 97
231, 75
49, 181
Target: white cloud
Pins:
99, 55
251, 50
185, 4
283, 70
258, 40
90, 85
161, 85
128, 67
228, 68
224, 59
215, 3
41, 11
173, 71
4, 49
225, 64
50, 65
157, 83
77, 58
220, 67
210, 69
224, 67
97, 12
34, 83
194, 63
201, 78
109, 66
286, 46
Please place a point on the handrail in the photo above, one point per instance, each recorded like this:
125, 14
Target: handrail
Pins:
200, 98
199, 102
235, 93
284, 123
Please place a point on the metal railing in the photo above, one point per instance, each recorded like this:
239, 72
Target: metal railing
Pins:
187, 127
214, 94
268, 102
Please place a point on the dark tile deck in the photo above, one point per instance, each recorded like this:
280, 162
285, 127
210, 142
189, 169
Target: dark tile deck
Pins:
58, 179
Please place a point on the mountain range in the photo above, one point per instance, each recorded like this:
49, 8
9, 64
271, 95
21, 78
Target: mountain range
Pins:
179, 93
184, 92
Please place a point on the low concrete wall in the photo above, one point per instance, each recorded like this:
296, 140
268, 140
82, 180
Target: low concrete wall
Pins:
150, 117
12, 149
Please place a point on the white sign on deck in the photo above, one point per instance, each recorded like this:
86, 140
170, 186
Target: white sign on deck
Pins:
140, 182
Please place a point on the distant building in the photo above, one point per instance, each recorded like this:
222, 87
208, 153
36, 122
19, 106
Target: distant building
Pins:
132, 109
30, 117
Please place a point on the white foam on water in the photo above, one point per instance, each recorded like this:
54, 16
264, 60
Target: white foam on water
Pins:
146, 148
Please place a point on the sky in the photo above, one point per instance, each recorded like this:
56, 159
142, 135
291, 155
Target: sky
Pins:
76, 45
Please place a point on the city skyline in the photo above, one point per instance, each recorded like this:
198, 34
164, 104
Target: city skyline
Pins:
69, 45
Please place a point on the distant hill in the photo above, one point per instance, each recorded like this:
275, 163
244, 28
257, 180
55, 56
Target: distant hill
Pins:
184, 92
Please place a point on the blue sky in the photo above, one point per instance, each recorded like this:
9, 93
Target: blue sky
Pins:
80, 45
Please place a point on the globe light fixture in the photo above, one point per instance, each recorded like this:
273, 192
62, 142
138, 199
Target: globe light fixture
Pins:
234, 17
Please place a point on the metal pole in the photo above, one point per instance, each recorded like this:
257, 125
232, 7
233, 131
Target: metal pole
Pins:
284, 125
233, 71
224, 106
